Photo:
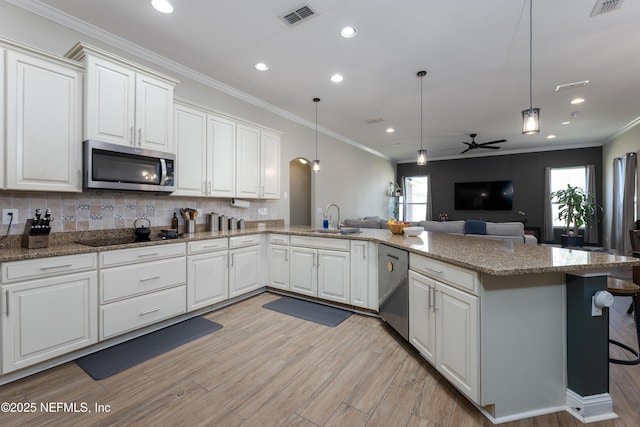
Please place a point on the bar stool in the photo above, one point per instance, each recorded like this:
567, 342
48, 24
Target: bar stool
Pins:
624, 288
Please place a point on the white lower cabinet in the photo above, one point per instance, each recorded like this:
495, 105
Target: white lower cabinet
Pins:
333, 275
244, 264
320, 268
207, 273
279, 261
364, 274
141, 286
444, 325
49, 317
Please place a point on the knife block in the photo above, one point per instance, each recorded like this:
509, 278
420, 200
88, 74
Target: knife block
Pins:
37, 241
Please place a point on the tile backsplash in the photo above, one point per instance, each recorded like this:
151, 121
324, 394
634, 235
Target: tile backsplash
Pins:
104, 210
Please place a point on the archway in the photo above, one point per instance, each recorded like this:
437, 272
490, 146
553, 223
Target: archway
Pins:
300, 192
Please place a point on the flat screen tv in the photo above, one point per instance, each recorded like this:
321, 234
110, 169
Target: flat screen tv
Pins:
486, 196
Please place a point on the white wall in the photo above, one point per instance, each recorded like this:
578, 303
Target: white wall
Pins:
628, 142
352, 178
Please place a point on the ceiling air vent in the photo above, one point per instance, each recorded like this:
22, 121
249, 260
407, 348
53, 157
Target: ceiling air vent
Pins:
296, 16
604, 6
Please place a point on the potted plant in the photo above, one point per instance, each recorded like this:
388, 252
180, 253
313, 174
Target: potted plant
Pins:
575, 208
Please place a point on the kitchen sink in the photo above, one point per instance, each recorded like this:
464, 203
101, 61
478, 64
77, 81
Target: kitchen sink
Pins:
333, 231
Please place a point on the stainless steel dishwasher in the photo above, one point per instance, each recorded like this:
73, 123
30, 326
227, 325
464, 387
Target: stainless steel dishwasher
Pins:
393, 288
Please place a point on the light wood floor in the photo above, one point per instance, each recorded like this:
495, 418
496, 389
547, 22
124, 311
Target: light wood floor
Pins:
267, 369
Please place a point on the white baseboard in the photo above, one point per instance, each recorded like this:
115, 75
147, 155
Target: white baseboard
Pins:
590, 409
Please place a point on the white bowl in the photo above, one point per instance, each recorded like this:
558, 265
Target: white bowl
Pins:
413, 231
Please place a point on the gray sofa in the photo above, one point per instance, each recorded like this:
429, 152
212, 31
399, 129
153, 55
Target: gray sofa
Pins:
507, 231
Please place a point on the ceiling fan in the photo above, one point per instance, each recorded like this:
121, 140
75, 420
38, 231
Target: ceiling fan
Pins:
474, 145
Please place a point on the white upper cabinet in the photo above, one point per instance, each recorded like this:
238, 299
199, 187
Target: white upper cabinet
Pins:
248, 162
2, 117
43, 123
191, 150
221, 142
205, 149
257, 163
270, 165
125, 103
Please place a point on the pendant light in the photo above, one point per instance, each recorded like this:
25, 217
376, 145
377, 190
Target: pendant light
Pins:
530, 116
315, 165
422, 154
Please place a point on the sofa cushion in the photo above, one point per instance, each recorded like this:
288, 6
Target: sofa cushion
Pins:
361, 223
505, 228
473, 226
456, 227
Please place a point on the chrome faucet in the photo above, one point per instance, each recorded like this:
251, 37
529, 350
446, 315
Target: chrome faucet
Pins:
326, 210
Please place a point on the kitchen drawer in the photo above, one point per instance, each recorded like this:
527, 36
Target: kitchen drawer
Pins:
320, 243
201, 246
240, 241
279, 239
144, 254
459, 277
133, 313
136, 279
47, 267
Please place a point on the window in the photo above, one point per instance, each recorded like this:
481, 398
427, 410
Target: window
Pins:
416, 196
560, 177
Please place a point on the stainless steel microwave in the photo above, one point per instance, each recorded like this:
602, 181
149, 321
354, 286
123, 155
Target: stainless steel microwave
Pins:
119, 167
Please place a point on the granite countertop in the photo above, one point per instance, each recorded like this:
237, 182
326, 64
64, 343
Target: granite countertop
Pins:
494, 257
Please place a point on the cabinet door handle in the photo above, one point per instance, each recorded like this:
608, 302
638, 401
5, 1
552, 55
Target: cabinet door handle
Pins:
209, 190
286, 255
6, 295
149, 278
433, 270
131, 137
432, 298
56, 266
435, 300
231, 260
153, 310
148, 255
364, 253
140, 136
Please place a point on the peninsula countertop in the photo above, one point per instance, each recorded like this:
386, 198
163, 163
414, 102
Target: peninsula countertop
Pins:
494, 257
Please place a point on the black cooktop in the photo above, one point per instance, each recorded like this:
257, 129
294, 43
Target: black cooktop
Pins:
112, 241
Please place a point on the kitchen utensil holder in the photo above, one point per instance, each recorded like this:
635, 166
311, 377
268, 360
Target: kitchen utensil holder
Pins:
35, 237
190, 226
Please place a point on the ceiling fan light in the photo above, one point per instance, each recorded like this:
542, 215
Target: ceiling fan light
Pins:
530, 121
162, 6
315, 166
422, 157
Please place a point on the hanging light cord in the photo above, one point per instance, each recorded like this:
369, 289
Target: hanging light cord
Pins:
421, 96
530, 54
316, 126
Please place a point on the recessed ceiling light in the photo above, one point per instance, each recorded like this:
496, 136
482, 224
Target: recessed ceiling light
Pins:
162, 6
566, 123
390, 130
261, 66
303, 161
577, 100
337, 78
551, 136
348, 32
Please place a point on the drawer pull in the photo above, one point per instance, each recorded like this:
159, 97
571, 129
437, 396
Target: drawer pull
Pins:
433, 270
153, 310
248, 241
56, 266
212, 246
149, 278
148, 255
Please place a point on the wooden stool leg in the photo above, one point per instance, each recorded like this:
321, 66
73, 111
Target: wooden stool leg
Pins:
635, 305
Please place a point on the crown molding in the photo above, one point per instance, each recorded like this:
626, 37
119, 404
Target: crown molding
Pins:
75, 24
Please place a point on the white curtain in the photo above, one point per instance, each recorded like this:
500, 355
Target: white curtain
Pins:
591, 230
429, 208
547, 234
624, 190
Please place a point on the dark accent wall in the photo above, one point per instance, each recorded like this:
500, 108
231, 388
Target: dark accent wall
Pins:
525, 170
